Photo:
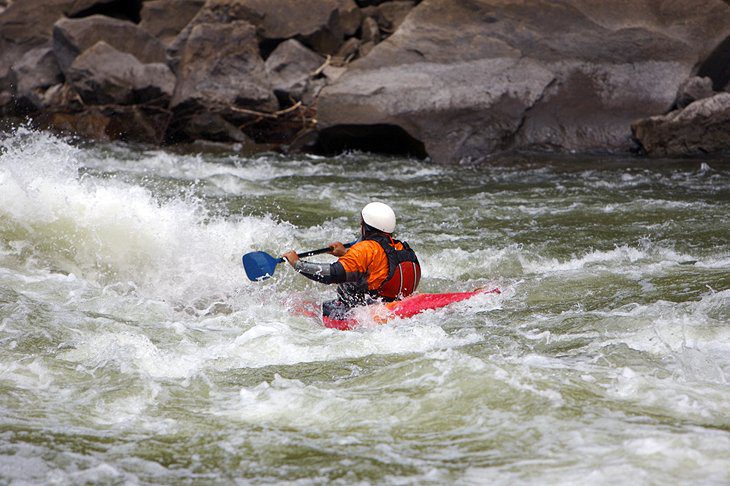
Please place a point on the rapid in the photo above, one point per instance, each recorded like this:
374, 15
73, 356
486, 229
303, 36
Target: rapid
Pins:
134, 350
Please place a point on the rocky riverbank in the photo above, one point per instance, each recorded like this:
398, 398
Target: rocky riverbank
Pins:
449, 79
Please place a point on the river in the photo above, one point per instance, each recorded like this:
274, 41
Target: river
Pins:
134, 350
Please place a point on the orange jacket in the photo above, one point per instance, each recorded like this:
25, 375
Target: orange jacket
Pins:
367, 260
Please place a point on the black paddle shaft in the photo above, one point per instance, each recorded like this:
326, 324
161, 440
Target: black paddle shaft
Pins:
321, 250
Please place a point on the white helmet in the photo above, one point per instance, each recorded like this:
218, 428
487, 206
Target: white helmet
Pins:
379, 216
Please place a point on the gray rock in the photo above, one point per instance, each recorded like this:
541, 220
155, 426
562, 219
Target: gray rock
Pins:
209, 126
370, 31
30, 22
700, 128
693, 89
473, 78
315, 23
350, 17
314, 87
58, 96
165, 19
221, 69
349, 49
286, 19
391, 14
290, 68
25, 25
366, 48
71, 37
333, 73
104, 75
32, 75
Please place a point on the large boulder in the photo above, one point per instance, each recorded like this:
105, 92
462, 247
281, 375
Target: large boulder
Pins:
319, 24
30, 22
32, 75
350, 17
699, 129
25, 25
694, 89
221, 70
165, 19
71, 37
285, 19
390, 15
469, 79
290, 68
103, 75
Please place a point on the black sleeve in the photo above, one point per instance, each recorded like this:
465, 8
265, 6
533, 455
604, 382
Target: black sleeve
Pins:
326, 273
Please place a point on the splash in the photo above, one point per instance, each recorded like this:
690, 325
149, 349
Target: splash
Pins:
106, 231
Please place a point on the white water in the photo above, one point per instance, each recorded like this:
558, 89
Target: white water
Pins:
133, 348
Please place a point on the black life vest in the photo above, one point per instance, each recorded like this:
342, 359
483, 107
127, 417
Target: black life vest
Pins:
404, 271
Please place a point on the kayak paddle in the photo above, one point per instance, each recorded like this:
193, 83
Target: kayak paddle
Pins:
260, 265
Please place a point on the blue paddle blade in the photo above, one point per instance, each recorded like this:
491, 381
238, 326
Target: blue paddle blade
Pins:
260, 265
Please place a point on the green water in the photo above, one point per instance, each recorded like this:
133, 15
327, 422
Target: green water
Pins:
133, 350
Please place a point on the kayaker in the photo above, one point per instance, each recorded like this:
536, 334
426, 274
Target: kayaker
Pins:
376, 267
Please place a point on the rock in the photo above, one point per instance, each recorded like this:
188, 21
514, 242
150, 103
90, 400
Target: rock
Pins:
290, 67
366, 48
104, 75
6, 101
209, 126
315, 23
128, 123
139, 123
221, 69
370, 31
350, 17
25, 25
349, 49
693, 89
71, 37
391, 14
314, 87
165, 19
700, 128
60, 97
469, 79
89, 124
30, 22
333, 73
36, 71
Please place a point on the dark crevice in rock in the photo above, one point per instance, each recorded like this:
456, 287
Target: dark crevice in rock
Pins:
509, 141
267, 46
717, 66
383, 139
119, 9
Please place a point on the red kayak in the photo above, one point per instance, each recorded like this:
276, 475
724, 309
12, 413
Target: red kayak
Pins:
408, 307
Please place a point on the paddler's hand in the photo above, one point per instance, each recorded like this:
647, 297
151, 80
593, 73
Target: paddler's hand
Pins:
291, 257
337, 249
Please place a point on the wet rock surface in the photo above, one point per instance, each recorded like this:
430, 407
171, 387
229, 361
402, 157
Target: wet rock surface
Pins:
560, 76
701, 128
449, 79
